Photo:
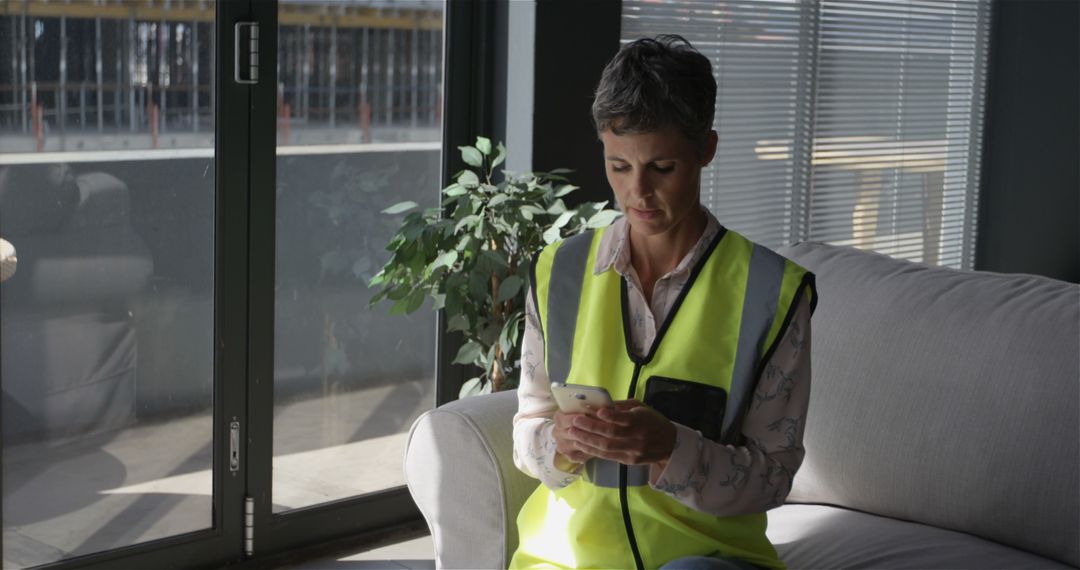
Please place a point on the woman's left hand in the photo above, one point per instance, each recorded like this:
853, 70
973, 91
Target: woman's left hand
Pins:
629, 432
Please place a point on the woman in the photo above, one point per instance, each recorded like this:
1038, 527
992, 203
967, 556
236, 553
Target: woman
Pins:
705, 335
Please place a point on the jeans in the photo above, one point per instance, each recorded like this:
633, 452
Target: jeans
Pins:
708, 563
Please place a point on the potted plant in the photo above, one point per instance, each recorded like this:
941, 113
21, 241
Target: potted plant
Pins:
471, 256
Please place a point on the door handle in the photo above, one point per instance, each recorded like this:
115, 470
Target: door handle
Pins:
246, 52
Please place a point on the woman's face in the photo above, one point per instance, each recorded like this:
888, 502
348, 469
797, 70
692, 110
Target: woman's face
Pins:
656, 177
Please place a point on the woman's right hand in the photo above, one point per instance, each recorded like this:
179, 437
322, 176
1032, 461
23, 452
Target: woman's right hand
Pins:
564, 443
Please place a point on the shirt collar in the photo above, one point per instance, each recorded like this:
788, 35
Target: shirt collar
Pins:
614, 249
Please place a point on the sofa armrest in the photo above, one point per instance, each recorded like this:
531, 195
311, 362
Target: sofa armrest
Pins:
460, 471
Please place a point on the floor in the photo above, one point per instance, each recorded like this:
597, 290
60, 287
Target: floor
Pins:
152, 480
414, 554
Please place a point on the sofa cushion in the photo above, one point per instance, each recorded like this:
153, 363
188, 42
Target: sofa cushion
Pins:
945, 397
816, 536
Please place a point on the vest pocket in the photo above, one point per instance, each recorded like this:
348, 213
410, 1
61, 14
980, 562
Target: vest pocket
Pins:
693, 404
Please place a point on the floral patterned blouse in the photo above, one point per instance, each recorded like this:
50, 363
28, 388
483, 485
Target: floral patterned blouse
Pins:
711, 477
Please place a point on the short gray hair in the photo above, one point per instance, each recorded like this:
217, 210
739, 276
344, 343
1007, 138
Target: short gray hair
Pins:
653, 83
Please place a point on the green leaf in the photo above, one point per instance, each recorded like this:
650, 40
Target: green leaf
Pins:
468, 353
415, 301
376, 298
400, 207
474, 387
453, 303
483, 144
454, 190
466, 221
561, 171
504, 341
564, 190
602, 219
500, 155
509, 288
494, 260
445, 260
410, 303
410, 230
457, 323
397, 293
510, 335
490, 356
479, 286
469, 179
417, 262
516, 331
489, 336
532, 209
552, 235
562, 220
498, 199
471, 156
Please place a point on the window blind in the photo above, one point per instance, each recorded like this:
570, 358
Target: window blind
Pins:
853, 122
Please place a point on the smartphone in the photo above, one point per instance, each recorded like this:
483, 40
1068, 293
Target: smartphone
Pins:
578, 399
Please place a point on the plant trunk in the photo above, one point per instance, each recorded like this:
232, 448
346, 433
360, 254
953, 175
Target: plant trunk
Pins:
498, 377
496, 374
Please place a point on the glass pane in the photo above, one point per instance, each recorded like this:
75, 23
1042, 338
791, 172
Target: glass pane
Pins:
359, 129
107, 199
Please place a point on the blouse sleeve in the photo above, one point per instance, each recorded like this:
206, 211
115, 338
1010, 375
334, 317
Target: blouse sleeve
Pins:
534, 445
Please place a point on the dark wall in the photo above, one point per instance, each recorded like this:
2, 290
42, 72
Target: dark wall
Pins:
1029, 211
574, 41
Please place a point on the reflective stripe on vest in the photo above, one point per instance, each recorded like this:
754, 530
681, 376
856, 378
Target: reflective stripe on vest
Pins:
563, 300
766, 275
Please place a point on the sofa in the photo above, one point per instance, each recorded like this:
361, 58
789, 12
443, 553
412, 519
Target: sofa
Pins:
942, 431
68, 338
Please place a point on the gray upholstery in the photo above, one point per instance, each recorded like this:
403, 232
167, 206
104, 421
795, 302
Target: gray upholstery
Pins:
817, 536
945, 397
944, 406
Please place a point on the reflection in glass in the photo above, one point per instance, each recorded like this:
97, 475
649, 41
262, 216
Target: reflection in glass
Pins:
359, 116
107, 195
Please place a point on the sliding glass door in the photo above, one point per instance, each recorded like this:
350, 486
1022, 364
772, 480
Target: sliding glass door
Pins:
114, 408
358, 129
107, 195
193, 191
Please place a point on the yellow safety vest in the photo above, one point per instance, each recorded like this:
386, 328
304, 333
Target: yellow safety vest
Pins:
719, 334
